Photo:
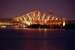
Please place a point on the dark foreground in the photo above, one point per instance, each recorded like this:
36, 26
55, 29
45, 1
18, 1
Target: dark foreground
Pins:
37, 39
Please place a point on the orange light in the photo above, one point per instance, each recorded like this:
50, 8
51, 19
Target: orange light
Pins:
40, 18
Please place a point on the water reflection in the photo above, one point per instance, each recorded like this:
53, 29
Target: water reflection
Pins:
42, 45
41, 33
34, 39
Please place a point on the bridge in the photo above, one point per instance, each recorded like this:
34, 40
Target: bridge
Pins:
38, 17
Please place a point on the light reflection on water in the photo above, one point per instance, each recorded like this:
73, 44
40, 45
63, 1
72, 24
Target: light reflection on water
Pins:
43, 39
35, 39
39, 29
41, 33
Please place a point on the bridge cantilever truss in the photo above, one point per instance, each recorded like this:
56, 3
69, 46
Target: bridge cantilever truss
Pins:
38, 17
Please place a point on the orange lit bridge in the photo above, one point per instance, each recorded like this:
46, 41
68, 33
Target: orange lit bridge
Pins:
37, 17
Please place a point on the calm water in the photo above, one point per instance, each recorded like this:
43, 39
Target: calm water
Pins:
37, 39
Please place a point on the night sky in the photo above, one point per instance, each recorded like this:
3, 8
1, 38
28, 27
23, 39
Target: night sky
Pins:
62, 8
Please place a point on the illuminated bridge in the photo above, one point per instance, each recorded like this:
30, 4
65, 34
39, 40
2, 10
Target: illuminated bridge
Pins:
37, 17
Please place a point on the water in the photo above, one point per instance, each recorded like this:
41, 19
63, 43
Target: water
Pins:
37, 39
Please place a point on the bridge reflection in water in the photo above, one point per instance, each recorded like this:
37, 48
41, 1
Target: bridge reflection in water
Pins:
32, 39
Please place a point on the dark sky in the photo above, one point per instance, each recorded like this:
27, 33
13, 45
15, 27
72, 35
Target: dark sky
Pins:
11, 8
